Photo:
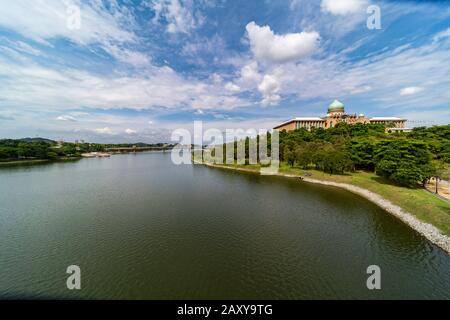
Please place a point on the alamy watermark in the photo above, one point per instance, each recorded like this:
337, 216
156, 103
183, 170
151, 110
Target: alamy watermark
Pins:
226, 147
73, 16
74, 280
374, 280
374, 20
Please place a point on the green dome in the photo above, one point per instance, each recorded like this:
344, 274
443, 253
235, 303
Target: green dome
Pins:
336, 106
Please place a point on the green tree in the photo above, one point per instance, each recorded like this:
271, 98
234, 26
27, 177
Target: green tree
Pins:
289, 157
403, 161
303, 155
337, 162
362, 153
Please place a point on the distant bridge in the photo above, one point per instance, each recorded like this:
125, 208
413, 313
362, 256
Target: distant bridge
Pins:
137, 149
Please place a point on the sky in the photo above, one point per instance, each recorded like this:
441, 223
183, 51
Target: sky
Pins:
136, 70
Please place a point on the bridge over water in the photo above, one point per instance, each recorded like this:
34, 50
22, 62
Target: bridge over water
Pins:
138, 149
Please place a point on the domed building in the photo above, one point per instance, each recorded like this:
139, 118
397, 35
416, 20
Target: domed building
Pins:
336, 108
336, 114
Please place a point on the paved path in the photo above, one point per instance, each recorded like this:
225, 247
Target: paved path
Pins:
443, 188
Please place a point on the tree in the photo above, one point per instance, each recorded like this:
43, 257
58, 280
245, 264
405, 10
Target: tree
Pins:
403, 161
407, 175
289, 156
303, 155
337, 162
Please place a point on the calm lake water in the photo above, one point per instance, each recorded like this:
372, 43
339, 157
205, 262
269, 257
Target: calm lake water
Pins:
141, 228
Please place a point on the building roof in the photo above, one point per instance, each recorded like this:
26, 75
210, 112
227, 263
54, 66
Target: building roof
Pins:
300, 119
386, 119
308, 119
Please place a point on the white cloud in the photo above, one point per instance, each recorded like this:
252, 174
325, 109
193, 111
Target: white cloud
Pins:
378, 78
201, 50
442, 35
268, 46
105, 130
20, 47
343, 7
269, 88
130, 131
410, 91
180, 16
66, 118
217, 101
46, 20
232, 87
359, 89
27, 83
216, 78
134, 58
42, 20
250, 73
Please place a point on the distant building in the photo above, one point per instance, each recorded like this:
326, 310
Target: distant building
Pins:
336, 114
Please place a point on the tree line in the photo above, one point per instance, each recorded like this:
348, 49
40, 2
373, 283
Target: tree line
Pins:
404, 158
43, 149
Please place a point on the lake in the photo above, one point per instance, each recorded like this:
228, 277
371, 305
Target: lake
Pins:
140, 227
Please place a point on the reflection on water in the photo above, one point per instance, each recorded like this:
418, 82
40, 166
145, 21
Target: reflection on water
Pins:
140, 227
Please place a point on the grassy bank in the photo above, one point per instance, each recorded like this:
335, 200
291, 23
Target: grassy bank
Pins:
420, 203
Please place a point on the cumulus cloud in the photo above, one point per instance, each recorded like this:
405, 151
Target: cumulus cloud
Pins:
269, 88
343, 7
250, 73
410, 91
378, 79
270, 47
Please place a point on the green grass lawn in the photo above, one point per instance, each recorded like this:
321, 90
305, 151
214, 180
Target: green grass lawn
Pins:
422, 204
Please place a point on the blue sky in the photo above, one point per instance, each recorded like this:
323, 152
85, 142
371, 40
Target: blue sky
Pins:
135, 70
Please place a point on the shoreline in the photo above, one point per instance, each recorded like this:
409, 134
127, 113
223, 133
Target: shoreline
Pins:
427, 230
18, 163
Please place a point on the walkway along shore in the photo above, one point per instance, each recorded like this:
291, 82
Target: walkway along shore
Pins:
427, 230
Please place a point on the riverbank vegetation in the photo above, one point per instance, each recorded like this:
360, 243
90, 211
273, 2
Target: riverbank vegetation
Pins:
403, 158
37, 150
407, 159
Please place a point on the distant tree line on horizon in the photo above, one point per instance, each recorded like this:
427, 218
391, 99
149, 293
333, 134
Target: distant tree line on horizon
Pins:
45, 149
